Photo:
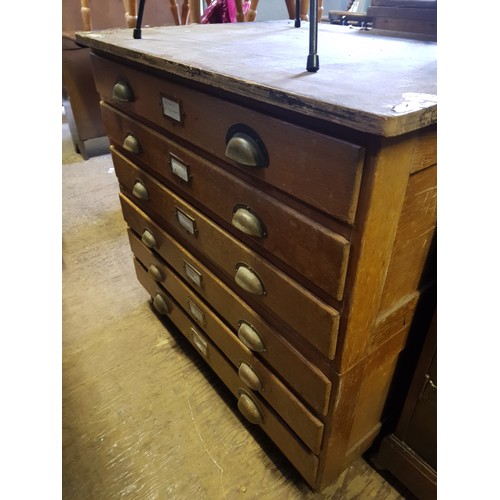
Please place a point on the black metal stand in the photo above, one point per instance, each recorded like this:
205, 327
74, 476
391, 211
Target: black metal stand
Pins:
312, 59
138, 24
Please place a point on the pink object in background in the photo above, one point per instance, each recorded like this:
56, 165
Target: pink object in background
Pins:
222, 11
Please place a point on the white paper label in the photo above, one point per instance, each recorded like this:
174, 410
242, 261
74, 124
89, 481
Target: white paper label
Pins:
186, 222
193, 274
196, 312
171, 109
179, 169
200, 342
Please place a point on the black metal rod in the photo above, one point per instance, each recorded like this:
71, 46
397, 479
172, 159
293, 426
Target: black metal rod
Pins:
138, 24
297, 13
312, 58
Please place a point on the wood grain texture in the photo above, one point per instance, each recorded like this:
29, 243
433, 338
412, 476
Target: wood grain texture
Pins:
355, 414
299, 160
305, 378
218, 192
310, 317
301, 421
270, 422
409, 467
79, 82
143, 417
414, 13
424, 26
413, 258
365, 103
371, 336
425, 154
394, 320
386, 178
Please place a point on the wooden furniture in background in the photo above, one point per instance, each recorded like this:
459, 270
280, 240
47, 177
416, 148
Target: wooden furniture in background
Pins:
410, 452
283, 221
80, 98
190, 11
130, 7
304, 9
351, 14
413, 16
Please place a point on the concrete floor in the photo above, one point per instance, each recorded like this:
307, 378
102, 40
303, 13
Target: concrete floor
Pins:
143, 416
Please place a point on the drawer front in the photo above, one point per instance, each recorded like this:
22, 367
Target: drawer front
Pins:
315, 168
260, 413
253, 374
308, 381
254, 217
258, 281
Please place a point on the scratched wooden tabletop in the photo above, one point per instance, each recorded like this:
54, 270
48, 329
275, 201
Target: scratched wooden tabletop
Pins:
373, 82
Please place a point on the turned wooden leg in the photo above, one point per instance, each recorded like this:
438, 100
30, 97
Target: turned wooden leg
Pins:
184, 14
304, 9
252, 12
130, 13
194, 11
240, 17
175, 12
85, 10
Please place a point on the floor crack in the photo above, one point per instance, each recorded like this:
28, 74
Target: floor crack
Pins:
201, 438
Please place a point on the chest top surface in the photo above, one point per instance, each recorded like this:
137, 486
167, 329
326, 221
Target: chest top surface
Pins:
380, 84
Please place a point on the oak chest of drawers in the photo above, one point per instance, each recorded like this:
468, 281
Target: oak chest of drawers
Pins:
283, 221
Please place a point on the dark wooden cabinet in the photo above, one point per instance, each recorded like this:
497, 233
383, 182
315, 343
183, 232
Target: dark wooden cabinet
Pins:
283, 221
410, 16
410, 452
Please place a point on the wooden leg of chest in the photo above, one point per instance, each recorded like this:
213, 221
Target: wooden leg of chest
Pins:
365, 368
357, 410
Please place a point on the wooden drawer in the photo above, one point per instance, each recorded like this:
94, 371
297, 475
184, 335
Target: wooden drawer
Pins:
255, 278
254, 217
306, 380
258, 411
318, 169
252, 372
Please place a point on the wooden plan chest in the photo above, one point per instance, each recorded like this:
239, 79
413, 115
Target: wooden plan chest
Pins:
283, 221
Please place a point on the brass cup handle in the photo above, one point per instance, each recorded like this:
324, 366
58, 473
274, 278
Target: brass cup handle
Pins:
148, 239
246, 150
249, 377
249, 280
155, 273
249, 409
132, 145
160, 304
122, 92
250, 337
140, 191
247, 222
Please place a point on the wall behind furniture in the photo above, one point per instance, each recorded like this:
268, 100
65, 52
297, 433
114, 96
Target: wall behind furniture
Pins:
269, 10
